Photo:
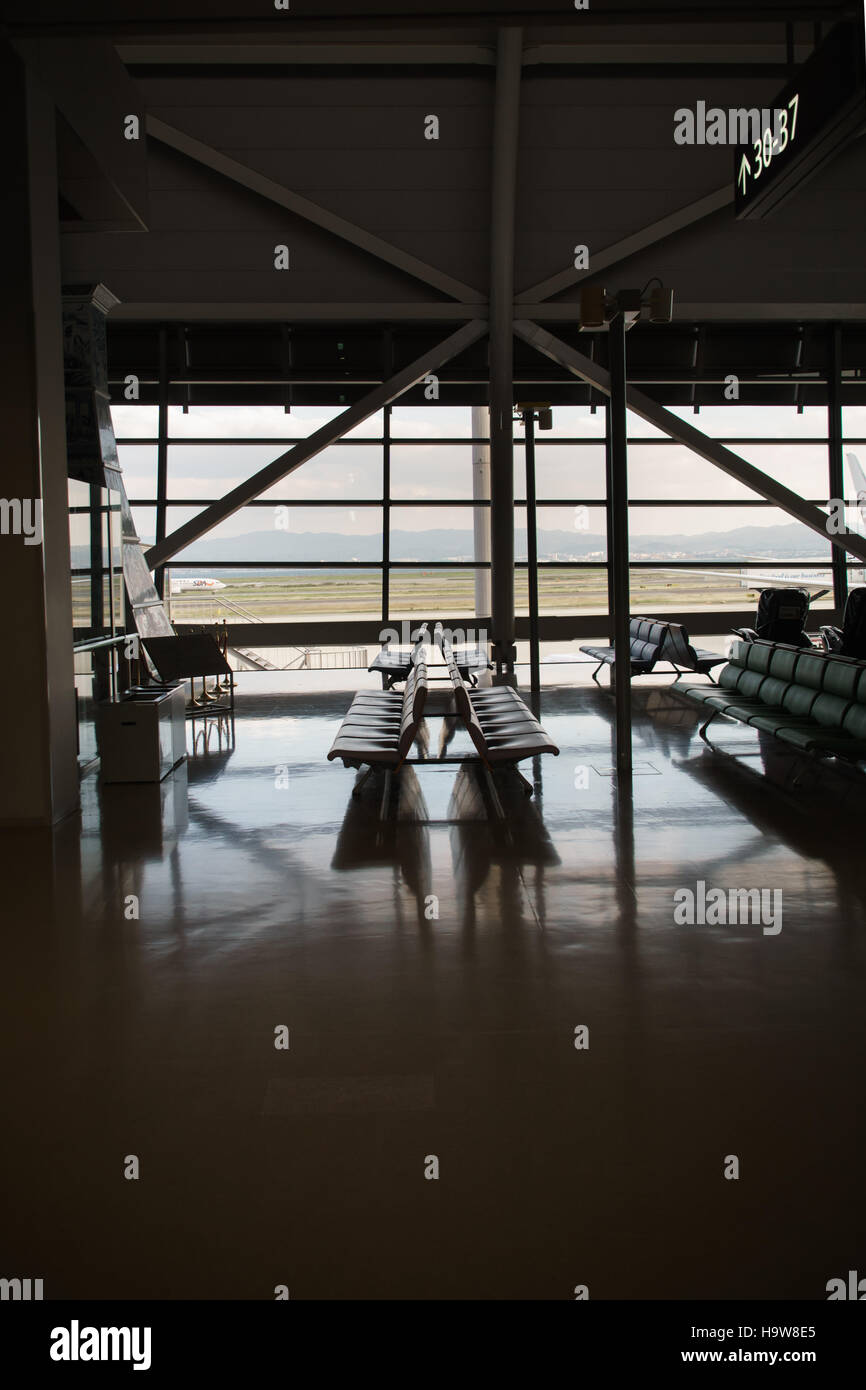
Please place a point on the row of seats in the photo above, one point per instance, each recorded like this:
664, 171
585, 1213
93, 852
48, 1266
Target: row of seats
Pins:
503, 730
646, 638
814, 700
651, 641
381, 726
394, 663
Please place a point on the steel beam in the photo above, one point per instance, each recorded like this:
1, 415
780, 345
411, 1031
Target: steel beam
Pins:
307, 448
89, 84
304, 311
291, 54
311, 212
502, 208
480, 514
532, 552
162, 454
630, 245
837, 470
683, 433
618, 540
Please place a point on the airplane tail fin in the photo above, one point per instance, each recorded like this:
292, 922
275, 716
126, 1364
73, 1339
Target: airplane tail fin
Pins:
855, 517
857, 475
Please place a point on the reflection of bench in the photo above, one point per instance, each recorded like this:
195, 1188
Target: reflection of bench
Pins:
646, 639
814, 701
678, 650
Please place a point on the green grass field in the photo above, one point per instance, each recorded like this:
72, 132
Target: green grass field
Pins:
291, 597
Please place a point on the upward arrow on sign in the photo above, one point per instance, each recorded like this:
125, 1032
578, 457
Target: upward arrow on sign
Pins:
745, 168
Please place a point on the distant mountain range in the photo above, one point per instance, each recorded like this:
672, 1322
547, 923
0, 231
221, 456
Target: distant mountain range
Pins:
742, 543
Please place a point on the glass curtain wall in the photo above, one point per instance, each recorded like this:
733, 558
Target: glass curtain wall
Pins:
380, 525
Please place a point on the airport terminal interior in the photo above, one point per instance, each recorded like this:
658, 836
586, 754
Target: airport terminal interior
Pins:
434, 557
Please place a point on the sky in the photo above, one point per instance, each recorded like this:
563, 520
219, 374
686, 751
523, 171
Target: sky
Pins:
427, 471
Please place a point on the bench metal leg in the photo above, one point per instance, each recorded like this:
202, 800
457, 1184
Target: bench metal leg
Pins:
595, 675
360, 780
706, 725
528, 789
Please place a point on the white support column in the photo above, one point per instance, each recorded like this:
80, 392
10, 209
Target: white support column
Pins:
39, 785
481, 493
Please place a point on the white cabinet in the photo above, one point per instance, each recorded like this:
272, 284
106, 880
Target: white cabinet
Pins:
143, 735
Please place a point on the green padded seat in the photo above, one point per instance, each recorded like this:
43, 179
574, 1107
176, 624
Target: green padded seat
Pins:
696, 692
726, 699
745, 710
757, 657
772, 720
829, 710
742, 681
783, 663
854, 722
811, 669
807, 739
841, 679
798, 700
773, 690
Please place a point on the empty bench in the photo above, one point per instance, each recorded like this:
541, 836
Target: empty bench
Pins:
678, 650
394, 663
646, 639
381, 727
813, 701
502, 729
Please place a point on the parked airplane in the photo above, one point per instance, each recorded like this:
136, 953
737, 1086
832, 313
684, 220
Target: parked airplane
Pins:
183, 586
817, 582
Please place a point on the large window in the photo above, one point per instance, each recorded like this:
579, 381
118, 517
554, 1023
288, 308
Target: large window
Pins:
387, 522
699, 538
392, 521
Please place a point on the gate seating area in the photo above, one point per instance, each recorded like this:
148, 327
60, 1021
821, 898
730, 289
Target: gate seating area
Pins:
380, 728
814, 701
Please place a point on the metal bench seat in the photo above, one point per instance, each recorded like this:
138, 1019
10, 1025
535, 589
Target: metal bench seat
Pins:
646, 638
814, 701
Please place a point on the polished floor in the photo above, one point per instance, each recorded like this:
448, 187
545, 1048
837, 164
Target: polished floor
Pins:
432, 973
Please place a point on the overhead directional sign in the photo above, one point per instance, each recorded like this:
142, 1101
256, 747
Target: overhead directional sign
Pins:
810, 119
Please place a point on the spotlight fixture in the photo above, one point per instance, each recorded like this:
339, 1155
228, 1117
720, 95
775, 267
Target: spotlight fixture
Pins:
597, 307
541, 411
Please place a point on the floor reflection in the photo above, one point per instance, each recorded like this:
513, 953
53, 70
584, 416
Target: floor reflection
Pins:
448, 955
